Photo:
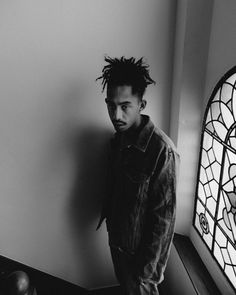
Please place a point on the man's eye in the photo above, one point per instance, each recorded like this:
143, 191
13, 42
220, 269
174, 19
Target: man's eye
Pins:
124, 107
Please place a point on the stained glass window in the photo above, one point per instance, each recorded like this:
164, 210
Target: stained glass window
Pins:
215, 203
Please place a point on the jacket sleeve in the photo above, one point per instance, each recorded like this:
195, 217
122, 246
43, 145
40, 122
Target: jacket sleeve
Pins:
159, 228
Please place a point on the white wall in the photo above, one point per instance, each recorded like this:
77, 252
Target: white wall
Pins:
191, 50
54, 124
221, 58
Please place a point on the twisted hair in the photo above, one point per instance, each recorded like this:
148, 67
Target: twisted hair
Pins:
129, 72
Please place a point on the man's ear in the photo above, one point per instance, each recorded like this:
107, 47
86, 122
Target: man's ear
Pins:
143, 104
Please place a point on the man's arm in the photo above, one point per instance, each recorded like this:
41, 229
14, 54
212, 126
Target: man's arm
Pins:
159, 227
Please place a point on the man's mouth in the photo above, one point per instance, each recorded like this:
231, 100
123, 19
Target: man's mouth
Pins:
119, 124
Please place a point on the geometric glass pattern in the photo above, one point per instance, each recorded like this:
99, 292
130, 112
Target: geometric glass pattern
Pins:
215, 202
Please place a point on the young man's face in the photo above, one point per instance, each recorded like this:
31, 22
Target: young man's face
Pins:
124, 108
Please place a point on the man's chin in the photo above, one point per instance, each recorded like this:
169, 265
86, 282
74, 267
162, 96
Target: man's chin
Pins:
121, 128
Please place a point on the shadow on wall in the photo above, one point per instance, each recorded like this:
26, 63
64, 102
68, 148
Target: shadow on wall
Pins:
90, 156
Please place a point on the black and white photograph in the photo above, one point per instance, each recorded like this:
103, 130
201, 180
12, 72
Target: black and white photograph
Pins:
117, 147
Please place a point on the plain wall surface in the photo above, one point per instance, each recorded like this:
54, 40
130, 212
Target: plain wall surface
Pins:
221, 58
191, 51
54, 123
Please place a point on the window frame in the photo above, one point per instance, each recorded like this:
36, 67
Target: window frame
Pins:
219, 84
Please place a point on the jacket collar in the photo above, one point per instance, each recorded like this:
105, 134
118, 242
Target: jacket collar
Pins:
141, 140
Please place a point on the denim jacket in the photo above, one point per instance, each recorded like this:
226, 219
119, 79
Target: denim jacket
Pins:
140, 204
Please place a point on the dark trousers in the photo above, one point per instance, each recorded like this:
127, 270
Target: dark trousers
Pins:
124, 266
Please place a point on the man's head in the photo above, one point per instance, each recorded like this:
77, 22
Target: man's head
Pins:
126, 81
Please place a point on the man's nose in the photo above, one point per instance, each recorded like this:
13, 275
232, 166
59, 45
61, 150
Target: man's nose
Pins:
118, 114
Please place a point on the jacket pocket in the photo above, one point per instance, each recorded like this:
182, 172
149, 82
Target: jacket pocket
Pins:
134, 182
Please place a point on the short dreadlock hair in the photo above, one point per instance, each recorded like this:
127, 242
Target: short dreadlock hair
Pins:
126, 71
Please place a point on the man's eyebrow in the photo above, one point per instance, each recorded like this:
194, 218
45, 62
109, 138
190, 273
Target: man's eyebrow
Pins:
108, 101
125, 102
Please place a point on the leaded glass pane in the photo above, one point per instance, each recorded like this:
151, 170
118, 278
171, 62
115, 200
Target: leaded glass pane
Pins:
225, 229
211, 205
208, 239
221, 238
220, 129
197, 225
234, 103
218, 150
226, 92
207, 142
207, 190
225, 255
214, 188
209, 174
205, 160
215, 207
227, 116
200, 208
201, 193
210, 223
210, 128
232, 79
218, 255
209, 118
232, 253
216, 170
221, 206
217, 96
232, 142
215, 111
211, 155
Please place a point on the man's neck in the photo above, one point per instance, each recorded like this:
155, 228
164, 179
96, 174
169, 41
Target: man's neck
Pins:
130, 135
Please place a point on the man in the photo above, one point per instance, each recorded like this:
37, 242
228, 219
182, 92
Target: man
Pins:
140, 203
